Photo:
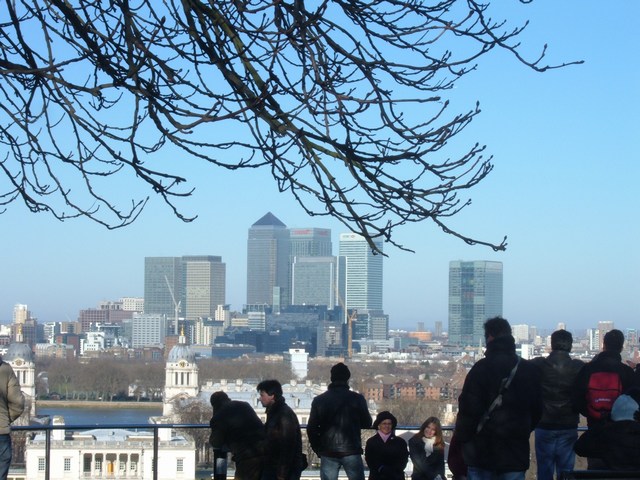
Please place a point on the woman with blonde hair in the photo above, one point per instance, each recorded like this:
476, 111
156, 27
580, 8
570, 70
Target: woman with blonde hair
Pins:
426, 449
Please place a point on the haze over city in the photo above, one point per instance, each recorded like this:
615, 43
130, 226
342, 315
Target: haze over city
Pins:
563, 190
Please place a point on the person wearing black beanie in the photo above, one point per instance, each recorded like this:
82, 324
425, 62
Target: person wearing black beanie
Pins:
336, 419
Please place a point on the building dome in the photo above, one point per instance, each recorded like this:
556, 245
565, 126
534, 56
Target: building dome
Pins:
181, 351
18, 351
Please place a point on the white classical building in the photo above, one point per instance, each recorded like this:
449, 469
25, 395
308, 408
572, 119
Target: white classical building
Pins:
110, 453
20, 357
181, 376
122, 453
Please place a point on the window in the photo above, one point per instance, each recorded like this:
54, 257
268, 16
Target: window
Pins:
41, 464
67, 464
180, 465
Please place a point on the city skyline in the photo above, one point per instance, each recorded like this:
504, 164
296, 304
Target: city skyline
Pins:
562, 190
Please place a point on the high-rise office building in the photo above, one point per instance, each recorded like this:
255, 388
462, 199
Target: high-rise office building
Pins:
162, 285
363, 273
193, 284
475, 295
310, 242
314, 281
204, 285
20, 313
268, 250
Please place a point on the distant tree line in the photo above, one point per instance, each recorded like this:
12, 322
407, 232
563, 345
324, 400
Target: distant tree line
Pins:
109, 378
105, 379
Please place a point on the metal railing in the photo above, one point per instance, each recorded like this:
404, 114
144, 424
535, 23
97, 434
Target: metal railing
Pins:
219, 464
219, 458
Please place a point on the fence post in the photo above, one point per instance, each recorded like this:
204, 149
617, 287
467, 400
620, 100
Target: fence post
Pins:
219, 464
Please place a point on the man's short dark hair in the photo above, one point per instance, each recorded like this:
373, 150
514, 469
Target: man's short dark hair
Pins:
270, 387
613, 341
496, 327
561, 340
218, 399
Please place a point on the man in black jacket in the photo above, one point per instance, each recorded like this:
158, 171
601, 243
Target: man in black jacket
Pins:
500, 405
284, 452
236, 428
557, 431
335, 421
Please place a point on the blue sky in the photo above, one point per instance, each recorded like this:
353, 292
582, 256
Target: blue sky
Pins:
563, 189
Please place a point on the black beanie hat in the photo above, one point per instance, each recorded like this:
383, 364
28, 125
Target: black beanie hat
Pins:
340, 372
385, 415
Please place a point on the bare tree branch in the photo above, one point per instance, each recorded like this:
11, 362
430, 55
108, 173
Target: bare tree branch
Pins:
342, 100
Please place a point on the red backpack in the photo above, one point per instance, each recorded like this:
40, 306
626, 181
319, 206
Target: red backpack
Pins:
602, 391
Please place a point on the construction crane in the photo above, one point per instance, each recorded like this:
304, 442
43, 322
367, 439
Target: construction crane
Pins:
176, 306
348, 319
352, 317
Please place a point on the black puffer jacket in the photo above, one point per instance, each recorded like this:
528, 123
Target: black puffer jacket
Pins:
558, 374
335, 421
503, 443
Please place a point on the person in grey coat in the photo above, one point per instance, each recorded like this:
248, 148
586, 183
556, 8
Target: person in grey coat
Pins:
11, 407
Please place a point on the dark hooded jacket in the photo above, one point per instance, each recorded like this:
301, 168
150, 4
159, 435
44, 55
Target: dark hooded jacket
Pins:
502, 444
335, 421
284, 459
236, 428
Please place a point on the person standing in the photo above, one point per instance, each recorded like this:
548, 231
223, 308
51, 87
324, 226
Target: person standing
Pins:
335, 422
557, 431
600, 382
616, 442
500, 405
236, 428
385, 453
285, 460
426, 449
11, 407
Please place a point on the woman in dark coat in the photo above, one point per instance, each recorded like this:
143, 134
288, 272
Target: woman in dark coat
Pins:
385, 454
426, 449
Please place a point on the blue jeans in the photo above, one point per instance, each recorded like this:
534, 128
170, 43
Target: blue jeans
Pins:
475, 473
554, 451
352, 464
5, 455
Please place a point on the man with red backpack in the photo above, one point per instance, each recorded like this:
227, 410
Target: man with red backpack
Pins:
600, 382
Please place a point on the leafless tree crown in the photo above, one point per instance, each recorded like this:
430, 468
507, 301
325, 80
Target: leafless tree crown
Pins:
342, 100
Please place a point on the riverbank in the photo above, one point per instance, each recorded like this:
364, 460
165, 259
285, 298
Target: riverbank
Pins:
98, 404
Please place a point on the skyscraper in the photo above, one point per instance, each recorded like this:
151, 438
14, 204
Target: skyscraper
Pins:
162, 284
204, 285
363, 273
310, 242
193, 283
268, 250
475, 295
314, 281
20, 313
